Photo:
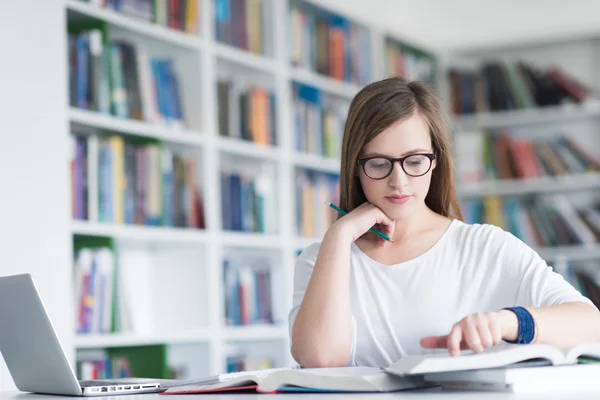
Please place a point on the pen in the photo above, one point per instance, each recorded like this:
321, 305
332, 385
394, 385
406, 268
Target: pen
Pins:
375, 231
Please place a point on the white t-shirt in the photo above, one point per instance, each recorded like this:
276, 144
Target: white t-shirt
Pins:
471, 268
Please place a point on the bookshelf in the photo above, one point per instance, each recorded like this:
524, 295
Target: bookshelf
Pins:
179, 271
515, 111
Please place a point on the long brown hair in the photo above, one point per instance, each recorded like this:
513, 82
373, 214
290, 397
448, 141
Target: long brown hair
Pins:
376, 107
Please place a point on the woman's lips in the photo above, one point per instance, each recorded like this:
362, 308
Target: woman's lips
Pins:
398, 199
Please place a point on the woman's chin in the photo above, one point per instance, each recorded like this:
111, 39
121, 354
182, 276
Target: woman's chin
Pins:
398, 212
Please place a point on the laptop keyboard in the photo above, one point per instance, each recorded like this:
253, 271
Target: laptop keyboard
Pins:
109, 382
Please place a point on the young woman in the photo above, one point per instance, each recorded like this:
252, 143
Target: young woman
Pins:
441, 283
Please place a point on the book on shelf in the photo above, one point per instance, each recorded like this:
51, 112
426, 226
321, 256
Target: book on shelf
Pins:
247, 201
499, 155
329, 44
182, 15
409, 61
515, 85
96, 364
124, 362
134, 181
545, 222
94, 279
313, 190
318, 121
247, 290
281, 380
110, 299
244, 24
120, 78
246, 111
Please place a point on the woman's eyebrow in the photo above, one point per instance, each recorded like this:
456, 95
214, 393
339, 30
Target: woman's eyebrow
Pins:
375, 154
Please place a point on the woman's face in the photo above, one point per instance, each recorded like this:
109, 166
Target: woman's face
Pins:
399, 195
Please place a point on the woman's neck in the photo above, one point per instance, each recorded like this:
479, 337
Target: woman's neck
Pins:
409, 227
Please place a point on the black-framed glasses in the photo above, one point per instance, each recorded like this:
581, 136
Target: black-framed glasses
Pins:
379, 167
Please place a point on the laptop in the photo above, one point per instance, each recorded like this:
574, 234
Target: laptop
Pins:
34, 355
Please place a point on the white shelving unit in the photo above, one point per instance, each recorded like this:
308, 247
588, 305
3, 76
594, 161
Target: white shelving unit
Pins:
140, 233
199, 320
328, 85
83, 120
200, 253
566, 183
121, 340
546, 115
317, 163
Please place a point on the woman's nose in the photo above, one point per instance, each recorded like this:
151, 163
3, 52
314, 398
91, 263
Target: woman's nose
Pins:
398, 177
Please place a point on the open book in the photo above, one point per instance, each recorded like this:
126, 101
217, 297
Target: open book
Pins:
345, 379
504, 355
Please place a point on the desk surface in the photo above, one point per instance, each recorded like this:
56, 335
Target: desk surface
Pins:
431, 394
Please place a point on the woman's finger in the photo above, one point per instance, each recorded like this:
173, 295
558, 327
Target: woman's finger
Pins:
454, 338
471, 335
496, 333
485, 334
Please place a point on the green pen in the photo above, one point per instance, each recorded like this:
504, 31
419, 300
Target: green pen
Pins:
375, 231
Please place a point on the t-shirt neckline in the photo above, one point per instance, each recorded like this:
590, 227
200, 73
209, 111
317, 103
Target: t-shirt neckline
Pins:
418, 258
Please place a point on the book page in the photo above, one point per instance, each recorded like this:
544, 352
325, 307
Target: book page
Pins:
584, 351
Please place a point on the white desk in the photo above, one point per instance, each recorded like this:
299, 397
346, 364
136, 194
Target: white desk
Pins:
431, 394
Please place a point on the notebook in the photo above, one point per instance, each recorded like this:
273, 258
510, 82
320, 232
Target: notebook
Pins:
346, 379
503, 355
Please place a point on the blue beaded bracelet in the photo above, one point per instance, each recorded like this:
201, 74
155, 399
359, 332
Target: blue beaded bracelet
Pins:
526, 331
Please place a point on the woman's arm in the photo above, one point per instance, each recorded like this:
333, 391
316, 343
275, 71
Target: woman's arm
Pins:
322, 331
562, 316
565, 325
562, 325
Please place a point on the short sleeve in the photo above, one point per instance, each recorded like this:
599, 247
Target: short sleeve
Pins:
303, 268
538, 284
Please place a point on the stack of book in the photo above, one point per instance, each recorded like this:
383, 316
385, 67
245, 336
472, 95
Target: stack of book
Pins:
120, 78
329, 44
181, 15
134, 182
503, 86
500, 155
313, 191
246, 112
410, 62
549, 221
247, 201
241, 23
318, 121
247, 290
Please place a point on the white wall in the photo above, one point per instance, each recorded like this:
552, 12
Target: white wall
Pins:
459, 24
34, 200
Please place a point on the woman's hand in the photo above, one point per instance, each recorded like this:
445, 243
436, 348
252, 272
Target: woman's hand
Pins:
362, 218
476, 332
